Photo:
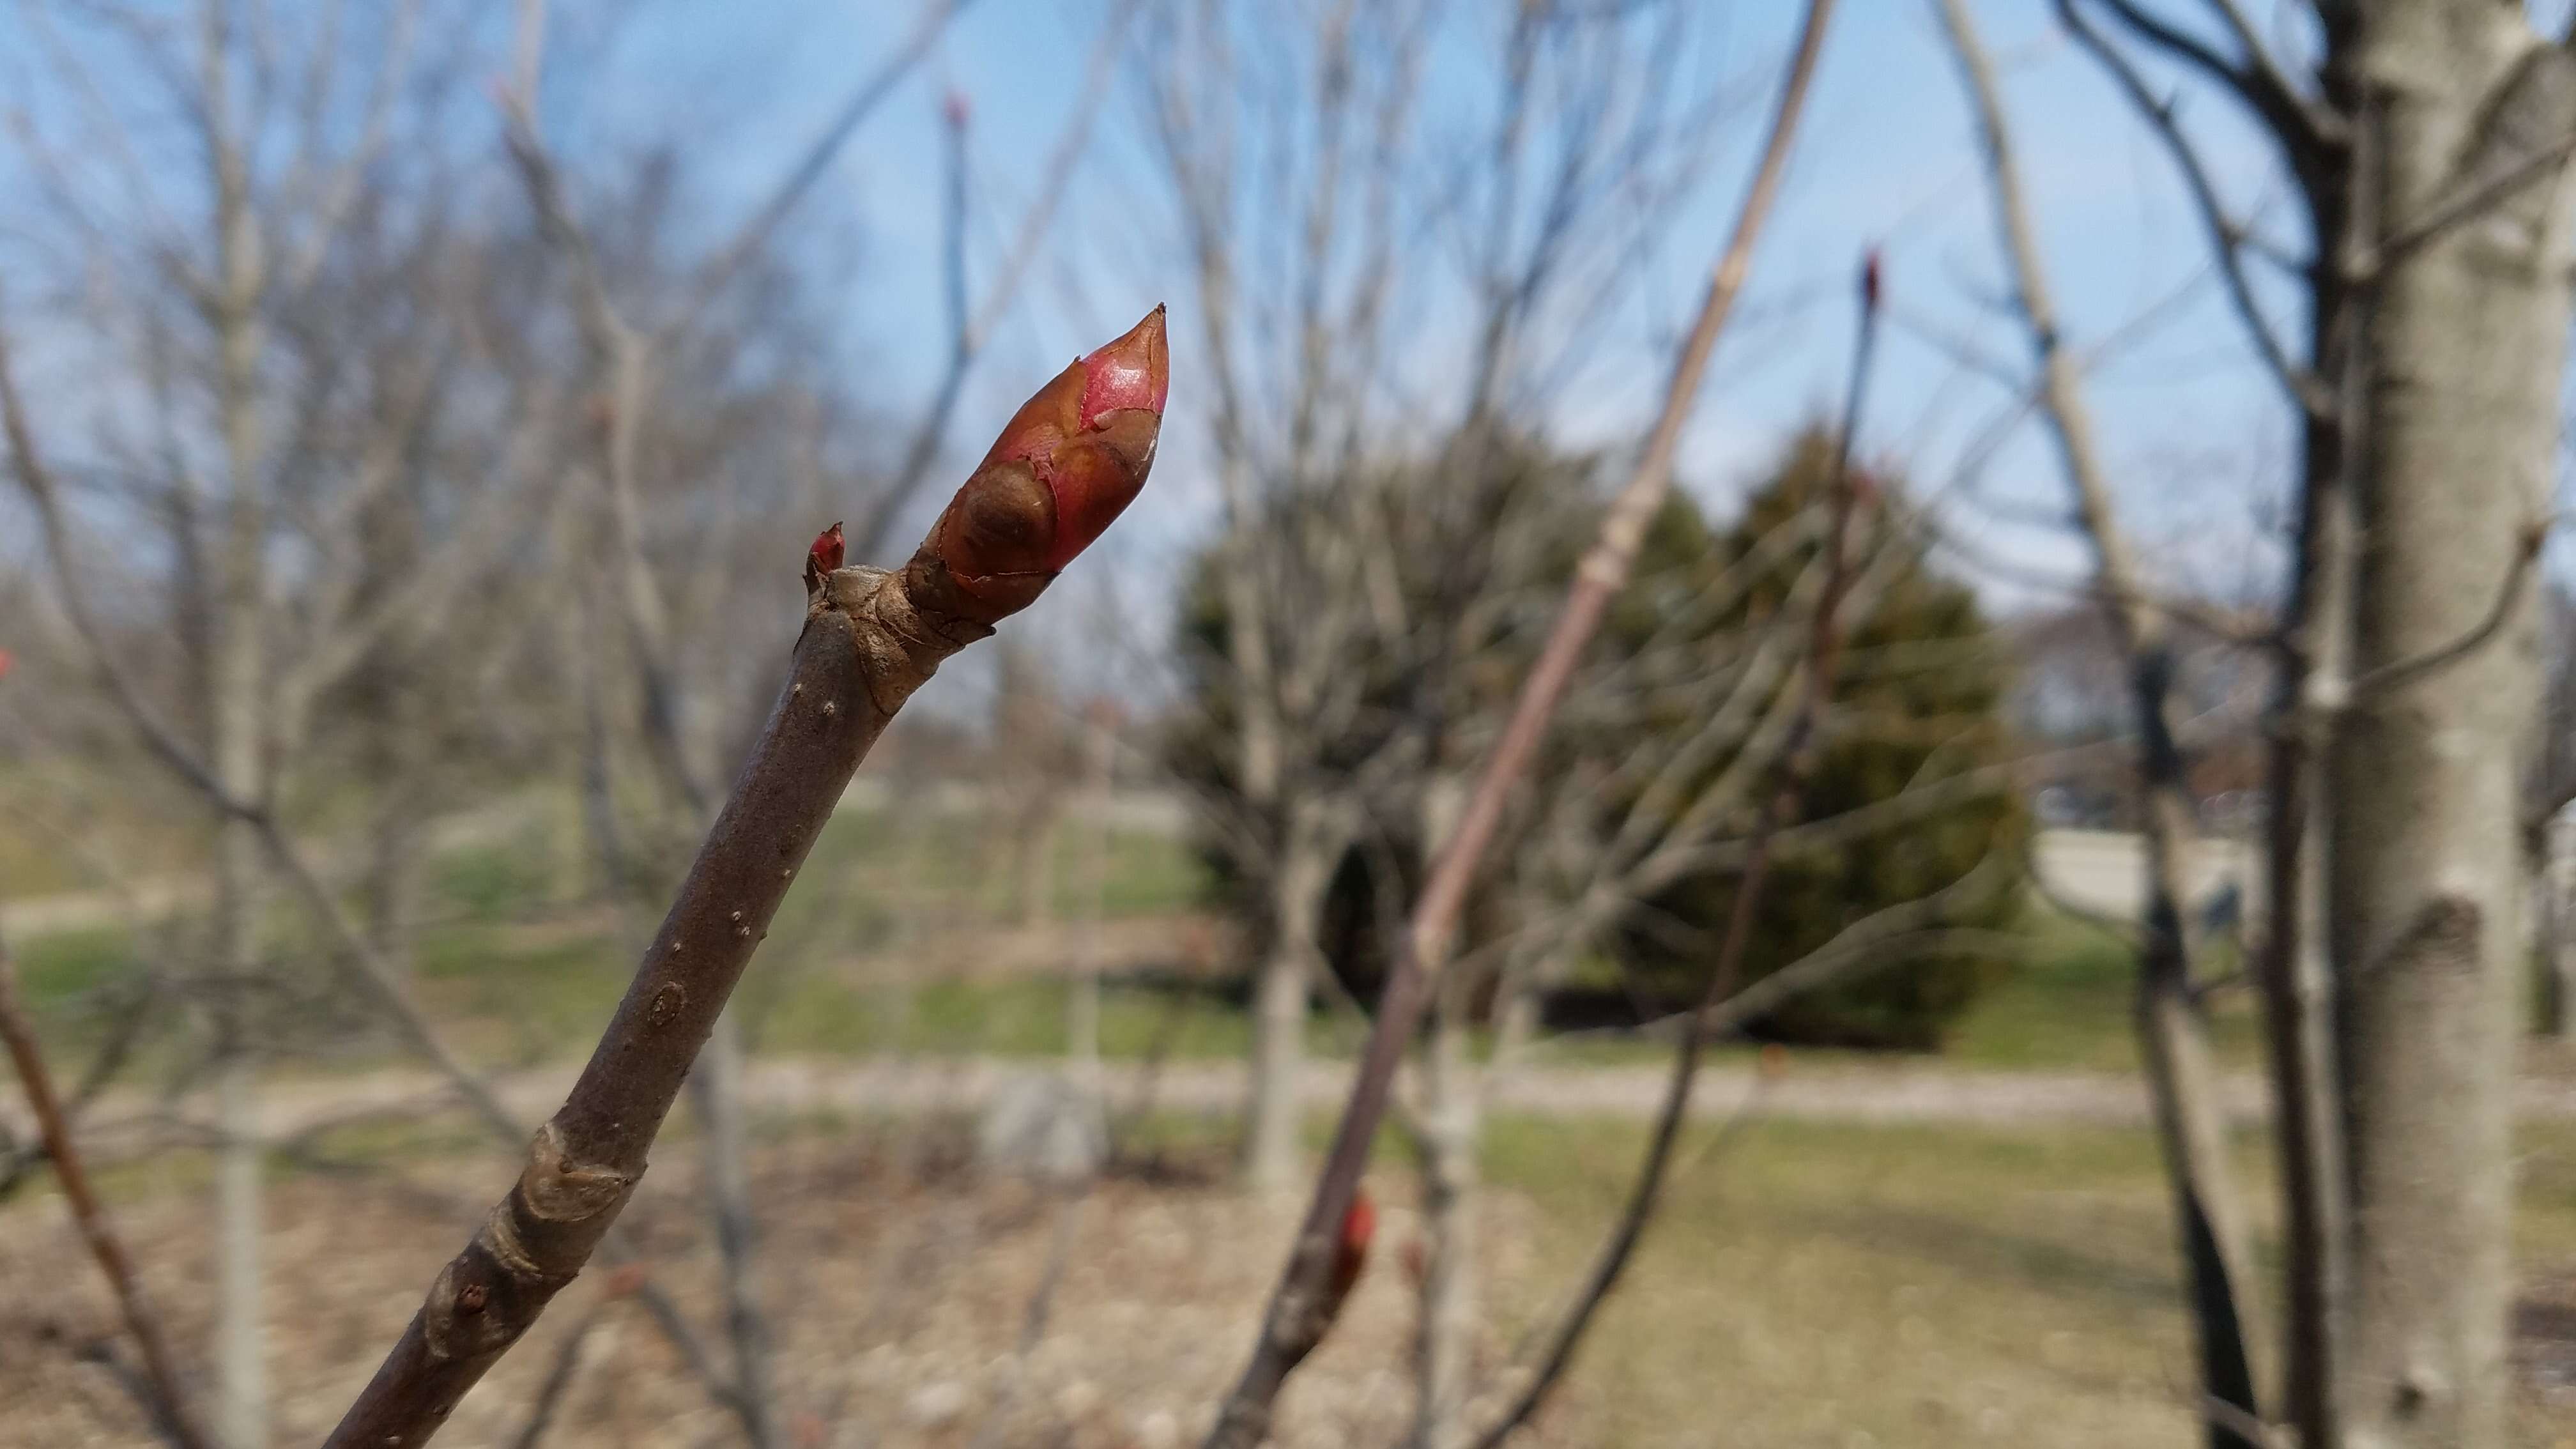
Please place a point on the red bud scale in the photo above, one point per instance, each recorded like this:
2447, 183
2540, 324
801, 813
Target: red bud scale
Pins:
825, 555
1069, 461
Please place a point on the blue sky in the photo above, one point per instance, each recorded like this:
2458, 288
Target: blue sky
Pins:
2193, 427
1886, 158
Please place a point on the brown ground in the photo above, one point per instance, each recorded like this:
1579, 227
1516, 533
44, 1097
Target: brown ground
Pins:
910, 1284
1814, 1286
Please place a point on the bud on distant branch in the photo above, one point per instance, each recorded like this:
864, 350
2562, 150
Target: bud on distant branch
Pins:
1350, 1250
1869, 280
1065, 466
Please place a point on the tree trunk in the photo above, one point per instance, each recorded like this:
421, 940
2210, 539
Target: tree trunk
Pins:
2182, 1078
2296, 971
393, 881
2465, 340
1034, 866
1082, 1009
2555, 915
2191, 1120
1272, 1160
2182, 1082
715, 1088
240, 1313
1445, 1341
237, 717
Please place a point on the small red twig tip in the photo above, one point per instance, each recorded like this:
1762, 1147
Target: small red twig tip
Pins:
1869, 279
823, 556
1350, 1250
829, 548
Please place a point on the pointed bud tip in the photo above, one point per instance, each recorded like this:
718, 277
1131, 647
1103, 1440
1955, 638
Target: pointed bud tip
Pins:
828, 549
1133, 372
1066, 464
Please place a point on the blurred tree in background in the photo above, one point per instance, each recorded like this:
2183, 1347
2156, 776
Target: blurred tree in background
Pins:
1920, 700
1471, 555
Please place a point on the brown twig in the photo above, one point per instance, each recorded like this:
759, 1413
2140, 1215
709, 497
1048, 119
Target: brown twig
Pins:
177, 1421
1064, 466
1295, 1319
2305, 388
1797, 762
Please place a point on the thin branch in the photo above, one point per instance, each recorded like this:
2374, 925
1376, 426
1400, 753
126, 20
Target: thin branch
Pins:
2303, 386
1296, 1318
2398, 672
36, 477
870, 639
2192, 1125
2249, 1427
177, 1420
809, 168
559, 1376
2259, 81
378, 977
971, 328
1034, 1315
1796, 764
2466, 203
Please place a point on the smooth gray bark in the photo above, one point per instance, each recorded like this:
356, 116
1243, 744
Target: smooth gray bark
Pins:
2182, 1078
2465, 340
1273, 1160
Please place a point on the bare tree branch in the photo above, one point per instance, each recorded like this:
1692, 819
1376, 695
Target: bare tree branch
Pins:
2226, 246
1790, 771
2509, 592
809, 168
871, 638
45, 492
1294, 1321
972, 327
2258, 81
559, 1376
2467, 202
2173, 1044
170, 1406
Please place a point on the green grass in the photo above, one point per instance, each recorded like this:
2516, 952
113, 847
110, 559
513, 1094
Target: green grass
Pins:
2069, 1006
60, 970
524, 989
1832, 1284
524, 975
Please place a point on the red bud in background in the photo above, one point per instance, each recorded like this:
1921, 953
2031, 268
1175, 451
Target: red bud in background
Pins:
1066, 465
1869, 279
5, 662
1350, 1251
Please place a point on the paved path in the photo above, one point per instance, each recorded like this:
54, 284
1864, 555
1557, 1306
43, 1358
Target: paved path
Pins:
127, 1121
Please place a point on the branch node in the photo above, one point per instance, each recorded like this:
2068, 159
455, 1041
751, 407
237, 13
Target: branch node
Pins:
559, 1190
